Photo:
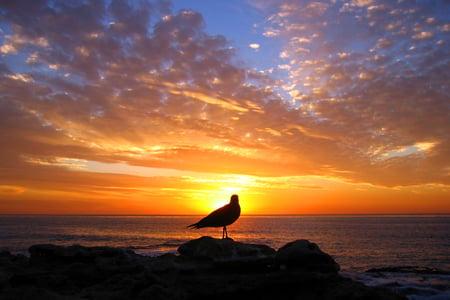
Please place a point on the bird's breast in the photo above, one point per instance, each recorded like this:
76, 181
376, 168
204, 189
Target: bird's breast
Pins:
235, 212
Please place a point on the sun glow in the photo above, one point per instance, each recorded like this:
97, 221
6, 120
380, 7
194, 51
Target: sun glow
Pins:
216, 109
204, 202
219, 198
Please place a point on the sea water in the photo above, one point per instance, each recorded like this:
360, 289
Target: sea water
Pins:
357, 242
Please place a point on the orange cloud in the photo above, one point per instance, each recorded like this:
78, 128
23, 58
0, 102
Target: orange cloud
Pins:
11, 189
365, 100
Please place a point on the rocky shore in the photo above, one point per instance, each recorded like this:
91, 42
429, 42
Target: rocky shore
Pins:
205, 268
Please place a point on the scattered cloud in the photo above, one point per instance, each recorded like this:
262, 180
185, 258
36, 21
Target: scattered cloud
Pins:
371, 74
271, 32
138, 84
255, 46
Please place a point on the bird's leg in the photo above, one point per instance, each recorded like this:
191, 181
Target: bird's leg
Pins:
224, 232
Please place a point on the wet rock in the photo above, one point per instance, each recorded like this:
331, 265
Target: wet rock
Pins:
306, 255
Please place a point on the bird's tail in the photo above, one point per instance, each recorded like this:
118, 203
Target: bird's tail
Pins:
193, 226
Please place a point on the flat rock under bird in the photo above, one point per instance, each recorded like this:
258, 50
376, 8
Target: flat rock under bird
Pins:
221, 217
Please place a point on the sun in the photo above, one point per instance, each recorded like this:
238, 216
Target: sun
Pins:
208, 201
218, 200
215, 204
220, 190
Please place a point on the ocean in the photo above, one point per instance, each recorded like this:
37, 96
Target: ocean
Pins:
421, 243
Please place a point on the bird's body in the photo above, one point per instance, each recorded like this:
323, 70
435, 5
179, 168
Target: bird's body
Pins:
221, 217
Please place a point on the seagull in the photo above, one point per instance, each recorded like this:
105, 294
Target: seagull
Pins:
224, 216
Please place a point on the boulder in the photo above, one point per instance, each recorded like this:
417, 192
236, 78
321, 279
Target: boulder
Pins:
210, 249
302, 254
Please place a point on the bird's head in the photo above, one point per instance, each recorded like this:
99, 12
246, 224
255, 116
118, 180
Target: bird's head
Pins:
234, 199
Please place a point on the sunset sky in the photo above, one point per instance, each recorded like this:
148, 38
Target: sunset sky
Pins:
170, 107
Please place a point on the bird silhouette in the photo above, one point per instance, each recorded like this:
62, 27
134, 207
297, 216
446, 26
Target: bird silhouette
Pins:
221, 217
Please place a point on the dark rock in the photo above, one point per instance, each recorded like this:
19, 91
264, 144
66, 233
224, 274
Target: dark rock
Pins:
206, 268
163, 263
208, 248
305, 255
82, 274
45, 253
7, 259
159, 292
4, 279
4, 252
20, 280
31, 292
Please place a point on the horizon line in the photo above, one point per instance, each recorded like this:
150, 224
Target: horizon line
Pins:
242, 215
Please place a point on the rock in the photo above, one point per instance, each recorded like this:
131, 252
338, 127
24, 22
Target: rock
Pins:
82, 274
158, 292
4, 279
31, 292
206, 268
164, 263
208, 248
45, 253
7, 259
4, 252
22, 280
305, 255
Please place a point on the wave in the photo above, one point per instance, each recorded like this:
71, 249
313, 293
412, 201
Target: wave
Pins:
409, 269
415, 282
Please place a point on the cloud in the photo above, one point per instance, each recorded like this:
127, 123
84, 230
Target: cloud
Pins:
271, 32
423, 35
11, 190
362, 2
119, 82
364, 72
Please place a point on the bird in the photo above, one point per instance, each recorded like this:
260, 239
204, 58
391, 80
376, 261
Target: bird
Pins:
221, 217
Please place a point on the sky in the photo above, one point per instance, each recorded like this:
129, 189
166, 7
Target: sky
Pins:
170, 107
